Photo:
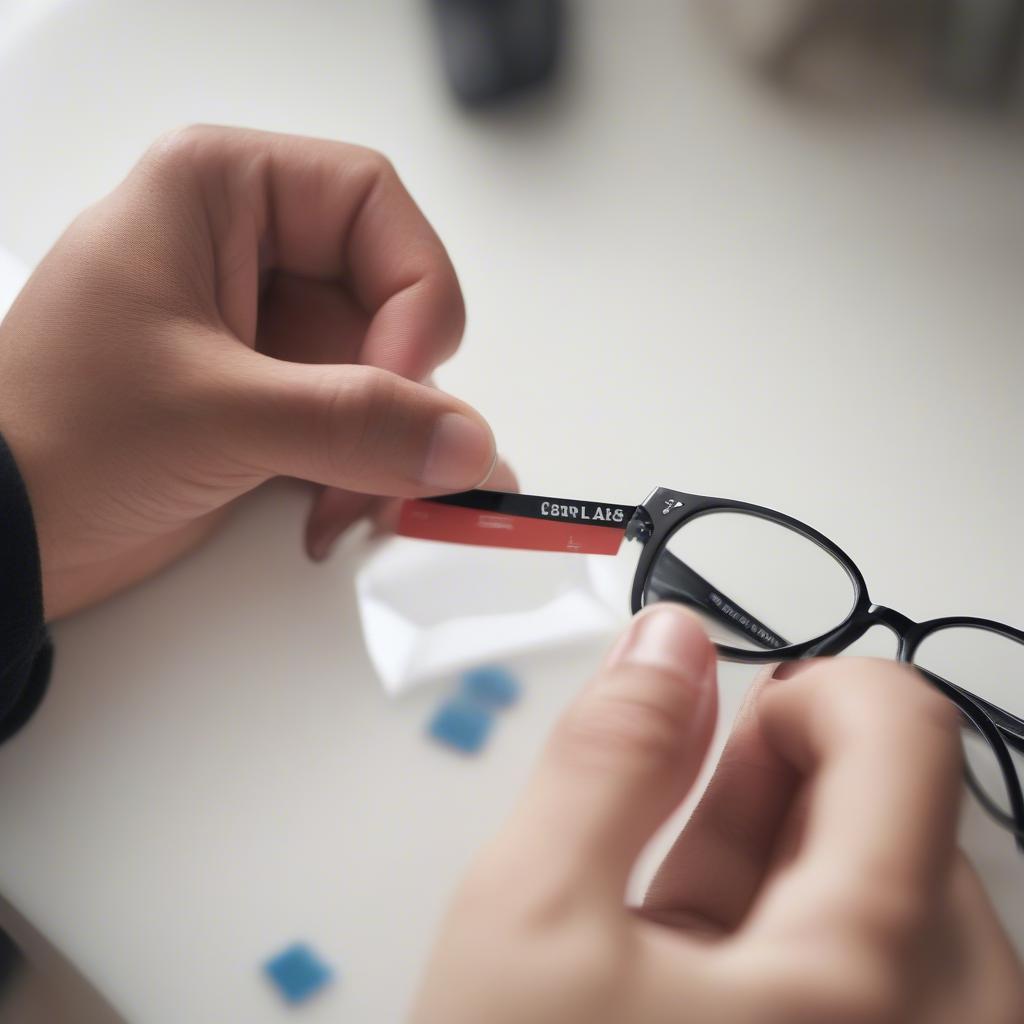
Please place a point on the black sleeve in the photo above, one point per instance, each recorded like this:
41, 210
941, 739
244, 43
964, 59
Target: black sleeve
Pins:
26, 653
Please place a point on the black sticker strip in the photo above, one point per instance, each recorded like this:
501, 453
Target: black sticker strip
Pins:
536, 506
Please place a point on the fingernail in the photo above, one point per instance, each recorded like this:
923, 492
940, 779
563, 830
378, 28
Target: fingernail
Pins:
461, 453
666, 637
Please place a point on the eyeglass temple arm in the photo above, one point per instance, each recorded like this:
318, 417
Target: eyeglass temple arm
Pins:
531, 521
975, 717
672, 579
1010, 727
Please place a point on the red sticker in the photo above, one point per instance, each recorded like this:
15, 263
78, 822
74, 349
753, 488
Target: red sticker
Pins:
428, 520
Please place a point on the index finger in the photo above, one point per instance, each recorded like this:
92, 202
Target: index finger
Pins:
329, 211
880, 758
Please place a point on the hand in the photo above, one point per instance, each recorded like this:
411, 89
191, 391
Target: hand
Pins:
818, 879
243, 305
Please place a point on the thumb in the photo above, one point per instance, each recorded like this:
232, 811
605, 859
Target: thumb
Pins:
625, 753
357, 427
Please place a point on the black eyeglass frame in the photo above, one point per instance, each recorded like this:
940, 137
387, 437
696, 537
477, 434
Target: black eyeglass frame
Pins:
525, 521
665, 511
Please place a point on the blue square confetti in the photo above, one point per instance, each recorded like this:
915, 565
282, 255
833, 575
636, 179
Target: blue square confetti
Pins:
297, 972
462, 724
491, 685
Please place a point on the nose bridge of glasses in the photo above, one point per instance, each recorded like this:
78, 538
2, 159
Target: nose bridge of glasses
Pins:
851, 631
880, 615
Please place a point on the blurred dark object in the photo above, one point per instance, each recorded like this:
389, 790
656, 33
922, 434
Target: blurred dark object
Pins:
966, 48
10, 962
494, 49
980, 47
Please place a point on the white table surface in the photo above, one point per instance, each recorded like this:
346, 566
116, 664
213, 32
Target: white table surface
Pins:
673, 276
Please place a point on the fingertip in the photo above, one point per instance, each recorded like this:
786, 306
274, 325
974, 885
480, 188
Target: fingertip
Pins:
665, 635
319, 539
672, 643
333, 512
317, 535
502, 477
318, 547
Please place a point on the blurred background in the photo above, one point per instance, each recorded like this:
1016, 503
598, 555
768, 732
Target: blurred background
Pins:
769, 249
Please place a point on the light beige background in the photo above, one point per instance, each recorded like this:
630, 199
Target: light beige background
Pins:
673, 276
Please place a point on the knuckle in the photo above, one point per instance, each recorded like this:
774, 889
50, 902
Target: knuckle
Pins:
180, 146
371, 165
352, 418
452, 306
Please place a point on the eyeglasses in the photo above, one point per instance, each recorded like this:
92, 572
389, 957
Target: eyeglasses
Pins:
768, 588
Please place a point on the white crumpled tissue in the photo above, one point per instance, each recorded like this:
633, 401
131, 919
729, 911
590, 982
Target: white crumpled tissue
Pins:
430, 609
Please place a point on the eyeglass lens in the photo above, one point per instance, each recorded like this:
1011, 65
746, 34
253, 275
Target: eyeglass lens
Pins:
760, 585
757, 584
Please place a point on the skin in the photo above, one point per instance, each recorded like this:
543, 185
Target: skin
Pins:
247, 305
242, 306
818, 879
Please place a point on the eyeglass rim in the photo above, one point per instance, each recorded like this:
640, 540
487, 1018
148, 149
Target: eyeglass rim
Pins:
862, 615
665, 510
663, 523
